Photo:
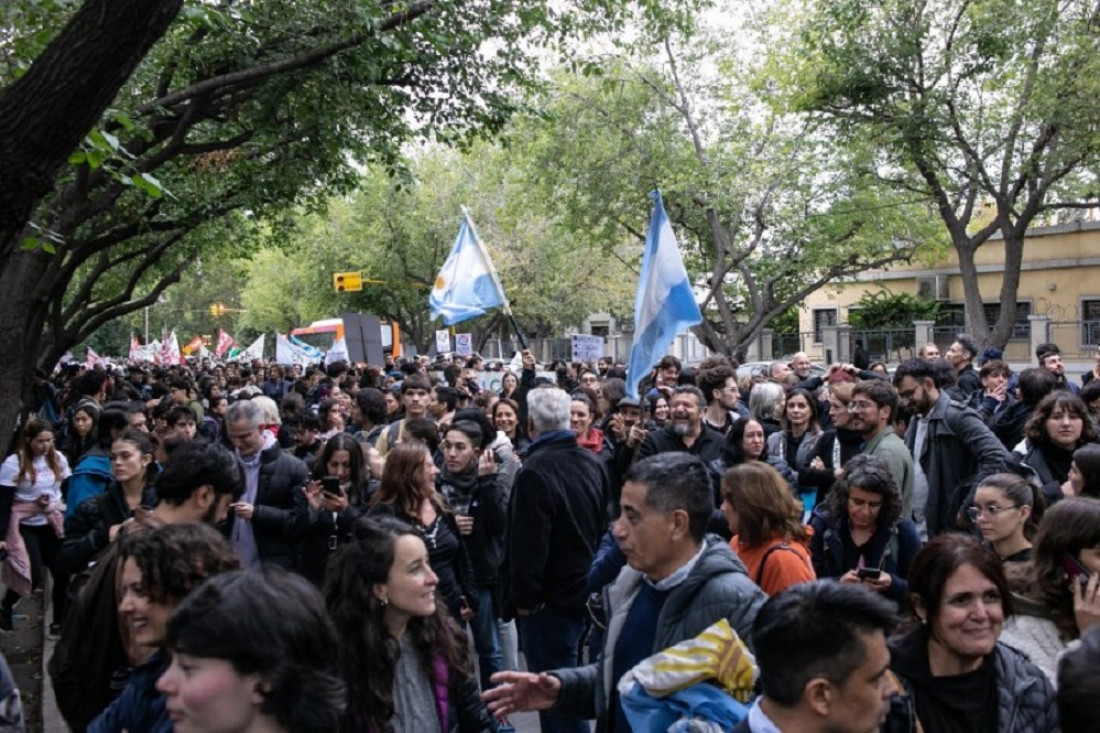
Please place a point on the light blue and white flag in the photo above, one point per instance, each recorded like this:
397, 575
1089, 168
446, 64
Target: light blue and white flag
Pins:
289, 352
310, 351
467, 286
665, 304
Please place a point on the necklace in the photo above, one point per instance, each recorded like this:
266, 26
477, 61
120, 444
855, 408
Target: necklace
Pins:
431, 536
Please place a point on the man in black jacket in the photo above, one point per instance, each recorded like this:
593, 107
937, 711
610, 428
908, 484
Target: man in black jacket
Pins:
952, 448
686, 432
558, 516
265, 524
961, 355
477, 483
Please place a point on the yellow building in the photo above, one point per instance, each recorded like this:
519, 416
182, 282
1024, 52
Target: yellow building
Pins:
1058, 297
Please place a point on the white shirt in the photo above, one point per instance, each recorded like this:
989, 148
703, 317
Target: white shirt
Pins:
41, 482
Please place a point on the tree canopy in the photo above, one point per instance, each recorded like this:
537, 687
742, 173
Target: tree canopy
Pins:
972, 106
126, 160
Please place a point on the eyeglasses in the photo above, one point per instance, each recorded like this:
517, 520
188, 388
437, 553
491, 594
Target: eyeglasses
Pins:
992, 511
859, 406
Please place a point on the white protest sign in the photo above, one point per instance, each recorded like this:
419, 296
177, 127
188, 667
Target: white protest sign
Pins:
587, 348
464, 344
442, 341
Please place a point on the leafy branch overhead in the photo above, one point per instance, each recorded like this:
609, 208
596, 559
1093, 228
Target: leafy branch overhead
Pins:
767, 206
239, 113
985, 111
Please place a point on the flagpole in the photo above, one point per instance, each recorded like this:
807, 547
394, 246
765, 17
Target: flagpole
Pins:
506, 308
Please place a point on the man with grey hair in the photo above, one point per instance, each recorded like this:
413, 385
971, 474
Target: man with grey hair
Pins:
559, 513
265, 522
686, 432
680, 580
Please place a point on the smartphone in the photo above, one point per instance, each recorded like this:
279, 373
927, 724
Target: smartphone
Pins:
1074, 569
330, 485
869, 573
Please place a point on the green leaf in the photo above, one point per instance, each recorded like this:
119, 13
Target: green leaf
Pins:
28, 244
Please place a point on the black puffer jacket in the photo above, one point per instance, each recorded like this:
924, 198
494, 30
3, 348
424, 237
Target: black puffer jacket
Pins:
1025, 697
88, 529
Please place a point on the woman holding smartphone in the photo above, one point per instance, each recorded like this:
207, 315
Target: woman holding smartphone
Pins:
338, 493
1062, 598
31, 513
859, 533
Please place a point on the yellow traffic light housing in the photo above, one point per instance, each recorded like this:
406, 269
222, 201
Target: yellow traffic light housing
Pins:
347, 282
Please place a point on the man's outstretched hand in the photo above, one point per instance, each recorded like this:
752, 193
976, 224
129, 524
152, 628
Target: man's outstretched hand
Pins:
521, 692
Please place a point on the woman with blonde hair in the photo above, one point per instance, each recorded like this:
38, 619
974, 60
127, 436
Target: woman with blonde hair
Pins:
765, 520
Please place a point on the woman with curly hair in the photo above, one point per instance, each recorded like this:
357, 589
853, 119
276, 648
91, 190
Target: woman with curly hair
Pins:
859, 534
768, 535
1058, 427
404, 660
408, 492
157, 569
1061, 600
253, 650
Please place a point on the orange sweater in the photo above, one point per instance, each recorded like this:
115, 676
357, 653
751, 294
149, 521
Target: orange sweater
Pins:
783, 568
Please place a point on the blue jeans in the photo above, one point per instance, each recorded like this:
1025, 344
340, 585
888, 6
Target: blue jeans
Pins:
486, 638
551, 640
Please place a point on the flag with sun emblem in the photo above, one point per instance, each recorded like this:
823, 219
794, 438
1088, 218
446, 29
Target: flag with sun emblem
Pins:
468, 285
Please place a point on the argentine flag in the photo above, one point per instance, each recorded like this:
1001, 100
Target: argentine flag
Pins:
308, 351
665, 304
467, 286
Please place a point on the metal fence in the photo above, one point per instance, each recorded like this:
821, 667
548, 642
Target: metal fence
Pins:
887, 345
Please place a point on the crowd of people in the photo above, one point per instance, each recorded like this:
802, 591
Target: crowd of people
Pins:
246, 547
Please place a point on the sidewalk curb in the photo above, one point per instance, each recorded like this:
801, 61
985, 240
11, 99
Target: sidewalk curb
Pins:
51, 715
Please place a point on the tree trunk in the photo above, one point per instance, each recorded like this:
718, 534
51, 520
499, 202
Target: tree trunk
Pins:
22, 310
47, 112
1010, 282
44, 116
976, 325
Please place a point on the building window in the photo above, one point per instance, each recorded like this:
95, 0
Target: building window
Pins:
823, 318
954, 315
1090, 322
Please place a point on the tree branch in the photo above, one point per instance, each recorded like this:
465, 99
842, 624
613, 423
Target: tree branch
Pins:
282, 66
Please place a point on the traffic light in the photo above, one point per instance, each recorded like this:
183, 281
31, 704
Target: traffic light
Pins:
347, 282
